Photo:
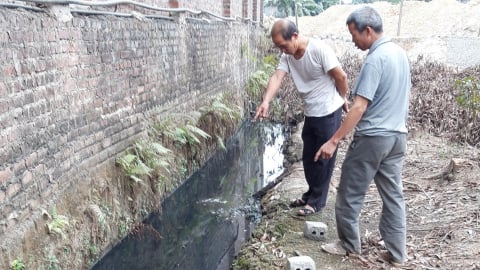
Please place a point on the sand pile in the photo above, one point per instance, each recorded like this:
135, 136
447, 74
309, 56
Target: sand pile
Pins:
438, 18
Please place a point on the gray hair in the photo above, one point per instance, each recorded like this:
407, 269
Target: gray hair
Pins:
366, 16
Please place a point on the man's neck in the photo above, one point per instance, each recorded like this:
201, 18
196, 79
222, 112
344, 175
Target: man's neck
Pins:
302, 46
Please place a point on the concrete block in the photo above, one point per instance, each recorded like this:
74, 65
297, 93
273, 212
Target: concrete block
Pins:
315, 230
300, 263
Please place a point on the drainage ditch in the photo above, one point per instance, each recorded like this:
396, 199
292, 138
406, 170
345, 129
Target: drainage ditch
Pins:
206, 220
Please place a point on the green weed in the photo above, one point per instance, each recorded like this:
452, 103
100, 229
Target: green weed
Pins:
52, 262
468, 90
144, 158
57, 224
259, 79
17, 264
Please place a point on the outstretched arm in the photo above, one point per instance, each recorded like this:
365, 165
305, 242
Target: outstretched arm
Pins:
356, 112
272, 88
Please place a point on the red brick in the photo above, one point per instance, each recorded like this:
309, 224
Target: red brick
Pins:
173, 3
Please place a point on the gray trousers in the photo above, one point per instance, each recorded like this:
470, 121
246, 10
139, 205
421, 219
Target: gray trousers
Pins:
379, 158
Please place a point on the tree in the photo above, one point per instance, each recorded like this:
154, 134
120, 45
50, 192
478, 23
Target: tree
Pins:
286, 8
326, 3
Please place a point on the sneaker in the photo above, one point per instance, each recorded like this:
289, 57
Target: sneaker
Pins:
334, 248
386, 257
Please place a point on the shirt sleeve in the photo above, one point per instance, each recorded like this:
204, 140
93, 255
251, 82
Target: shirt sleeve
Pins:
283, 64
367, 82
327, 57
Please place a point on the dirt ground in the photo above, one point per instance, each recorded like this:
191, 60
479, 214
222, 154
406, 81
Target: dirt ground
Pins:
443, 214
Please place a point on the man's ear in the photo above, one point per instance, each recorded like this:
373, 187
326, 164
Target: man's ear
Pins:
369, 30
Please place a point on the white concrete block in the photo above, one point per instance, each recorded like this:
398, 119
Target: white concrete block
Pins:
315, 230
300, 263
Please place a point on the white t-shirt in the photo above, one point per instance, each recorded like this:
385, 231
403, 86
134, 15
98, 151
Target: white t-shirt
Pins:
309, 73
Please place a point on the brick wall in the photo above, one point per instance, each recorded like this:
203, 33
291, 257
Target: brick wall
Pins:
228, 8
214, 6
75, 94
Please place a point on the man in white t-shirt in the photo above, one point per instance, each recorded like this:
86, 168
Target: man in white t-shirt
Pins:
322, 85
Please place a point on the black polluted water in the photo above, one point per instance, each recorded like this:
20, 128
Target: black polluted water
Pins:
203, 224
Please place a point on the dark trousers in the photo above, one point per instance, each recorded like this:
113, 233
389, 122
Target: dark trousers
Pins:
316, 131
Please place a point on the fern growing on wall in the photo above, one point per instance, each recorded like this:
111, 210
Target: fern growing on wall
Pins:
176, 144
143, 158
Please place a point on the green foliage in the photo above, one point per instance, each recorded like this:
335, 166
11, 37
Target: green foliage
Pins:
188, 135
468, 93
133, 167
220, 143
179, 129
286, 8
17, 264
57, 224
257, 83
243, 263
52, 262
308, 8
154, 154
124, 226
259, 79
245, 51
143, 158
220, 118
222, 109
325, 4
99, 215
287, 104
176, 144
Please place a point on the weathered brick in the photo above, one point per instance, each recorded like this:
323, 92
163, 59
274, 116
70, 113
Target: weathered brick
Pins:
3, 90
2, 196
19, 167
31, 160
9, 71
27, 178
13, 189
5, 174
